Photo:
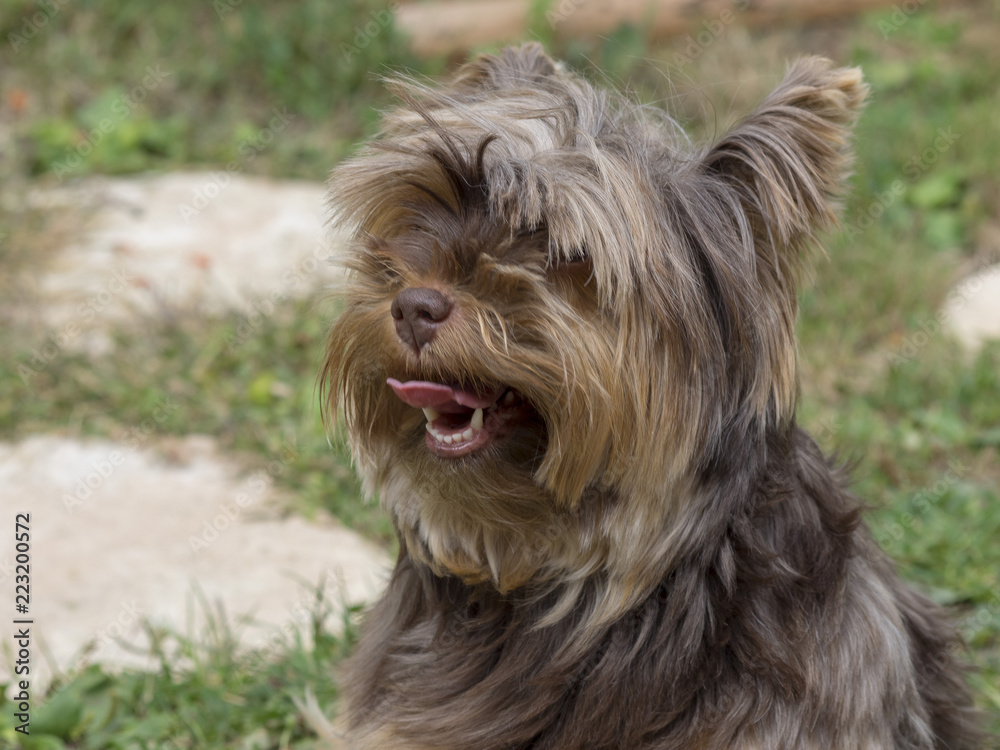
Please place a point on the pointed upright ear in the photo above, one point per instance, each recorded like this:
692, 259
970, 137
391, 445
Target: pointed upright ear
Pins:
787, 162
514, 67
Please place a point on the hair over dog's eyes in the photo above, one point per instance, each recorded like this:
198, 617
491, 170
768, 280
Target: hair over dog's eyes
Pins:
576, 260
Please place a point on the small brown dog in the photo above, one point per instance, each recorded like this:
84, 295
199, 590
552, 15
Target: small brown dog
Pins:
567, 366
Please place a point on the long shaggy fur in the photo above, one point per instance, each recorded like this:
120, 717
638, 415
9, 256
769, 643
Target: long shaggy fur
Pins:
659, 558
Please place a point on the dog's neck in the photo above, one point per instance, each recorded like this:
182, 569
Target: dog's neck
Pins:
601, 559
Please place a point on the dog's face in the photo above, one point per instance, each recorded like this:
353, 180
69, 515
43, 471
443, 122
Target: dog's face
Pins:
555, 306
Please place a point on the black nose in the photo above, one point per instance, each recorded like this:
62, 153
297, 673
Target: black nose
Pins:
418, 313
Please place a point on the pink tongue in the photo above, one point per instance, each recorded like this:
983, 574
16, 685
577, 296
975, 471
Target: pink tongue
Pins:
444, 398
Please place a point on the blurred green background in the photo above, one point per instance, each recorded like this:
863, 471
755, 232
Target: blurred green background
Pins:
910, 422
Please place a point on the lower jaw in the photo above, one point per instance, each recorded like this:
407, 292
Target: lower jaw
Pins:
477, 442
499, 424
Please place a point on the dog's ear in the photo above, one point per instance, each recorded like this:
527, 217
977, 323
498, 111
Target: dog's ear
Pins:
787, 161
515, 67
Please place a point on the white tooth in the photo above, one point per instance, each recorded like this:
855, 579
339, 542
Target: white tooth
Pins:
427, 426
509, 398
467, 435
447, 439
477, 420
431, 414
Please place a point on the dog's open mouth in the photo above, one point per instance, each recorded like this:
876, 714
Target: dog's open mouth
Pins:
460, 421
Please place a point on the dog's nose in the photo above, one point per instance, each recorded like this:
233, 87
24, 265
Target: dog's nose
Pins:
418, 312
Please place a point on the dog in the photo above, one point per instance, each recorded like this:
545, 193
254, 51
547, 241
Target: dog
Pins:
566, 364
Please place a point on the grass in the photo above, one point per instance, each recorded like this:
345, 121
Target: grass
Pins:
880, 384
221, 66
221, 697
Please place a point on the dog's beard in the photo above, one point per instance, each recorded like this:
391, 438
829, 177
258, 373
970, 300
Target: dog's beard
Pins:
495, 485
482, 516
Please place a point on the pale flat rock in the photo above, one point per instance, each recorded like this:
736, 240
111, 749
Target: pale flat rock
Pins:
204, 242
972, 310
122, 532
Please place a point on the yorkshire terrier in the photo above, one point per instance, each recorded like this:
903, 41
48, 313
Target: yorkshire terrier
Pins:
566, 363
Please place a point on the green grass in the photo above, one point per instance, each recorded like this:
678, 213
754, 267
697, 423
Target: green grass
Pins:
221, 697
921, 424
222, 66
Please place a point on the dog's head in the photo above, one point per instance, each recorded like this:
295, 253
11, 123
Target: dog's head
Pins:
555, 306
